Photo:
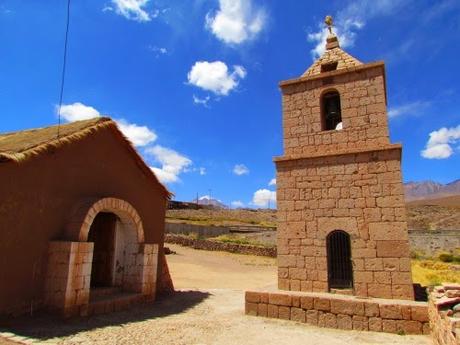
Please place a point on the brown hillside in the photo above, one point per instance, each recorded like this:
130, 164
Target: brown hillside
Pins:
430, 214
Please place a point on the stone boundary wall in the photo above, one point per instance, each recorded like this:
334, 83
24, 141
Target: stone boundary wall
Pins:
201, 230
432, 242
444, 323
212, 231
340, 311
429, 242
220, 246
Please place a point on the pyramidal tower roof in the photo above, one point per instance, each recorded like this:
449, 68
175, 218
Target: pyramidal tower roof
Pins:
334, 58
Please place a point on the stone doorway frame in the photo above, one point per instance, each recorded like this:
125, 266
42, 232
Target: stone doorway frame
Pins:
67, 287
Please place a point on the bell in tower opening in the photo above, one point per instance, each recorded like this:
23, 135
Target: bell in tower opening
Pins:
332, 112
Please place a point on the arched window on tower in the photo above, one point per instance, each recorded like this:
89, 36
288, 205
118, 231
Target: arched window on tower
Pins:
331, 111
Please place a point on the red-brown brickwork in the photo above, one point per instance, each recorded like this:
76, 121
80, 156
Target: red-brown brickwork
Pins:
346, 179
341, 312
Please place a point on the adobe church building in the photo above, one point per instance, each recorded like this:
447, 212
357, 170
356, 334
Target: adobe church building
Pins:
81, 221
343, 250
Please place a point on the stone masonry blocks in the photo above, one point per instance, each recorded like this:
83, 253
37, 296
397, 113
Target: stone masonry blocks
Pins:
342, 312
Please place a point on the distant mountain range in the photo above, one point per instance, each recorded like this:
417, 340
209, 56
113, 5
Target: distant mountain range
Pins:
209, 201
430, 190
412, 190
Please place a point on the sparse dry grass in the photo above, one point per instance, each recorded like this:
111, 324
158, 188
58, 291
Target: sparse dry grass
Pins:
434, 214
266, 218
236, 239
434, 272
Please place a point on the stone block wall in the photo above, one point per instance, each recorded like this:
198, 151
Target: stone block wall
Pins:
444, 312
149, 267
68, 277
434, 242
359, 193
201, 230
341, 312
363, 104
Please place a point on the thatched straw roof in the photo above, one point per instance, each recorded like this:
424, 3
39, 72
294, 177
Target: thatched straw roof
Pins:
22, 145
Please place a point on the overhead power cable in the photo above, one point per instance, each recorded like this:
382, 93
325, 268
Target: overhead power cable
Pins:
64, 63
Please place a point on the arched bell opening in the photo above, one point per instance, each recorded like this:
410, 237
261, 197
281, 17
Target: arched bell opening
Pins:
331, 111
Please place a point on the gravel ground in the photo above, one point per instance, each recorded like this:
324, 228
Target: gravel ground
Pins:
211, 312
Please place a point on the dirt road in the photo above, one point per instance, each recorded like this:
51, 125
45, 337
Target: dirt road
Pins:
209, 309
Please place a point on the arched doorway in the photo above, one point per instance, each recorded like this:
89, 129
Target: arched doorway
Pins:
110, 232
339, 267
103, 234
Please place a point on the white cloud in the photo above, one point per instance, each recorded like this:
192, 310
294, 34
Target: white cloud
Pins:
138, 135
439, 144
413, 108
202, 171
272, 182
264, 198
351, 19
237, 204
172, 163
158, 51
132, 9
202, 101
236, 21
240, 169
215, 76
77, 112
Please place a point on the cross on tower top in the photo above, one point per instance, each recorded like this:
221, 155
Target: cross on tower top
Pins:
329, 21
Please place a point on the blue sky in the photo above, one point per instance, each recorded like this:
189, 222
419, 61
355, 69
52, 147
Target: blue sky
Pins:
194, 83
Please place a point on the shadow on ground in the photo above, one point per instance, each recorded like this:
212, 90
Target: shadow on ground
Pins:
45, 326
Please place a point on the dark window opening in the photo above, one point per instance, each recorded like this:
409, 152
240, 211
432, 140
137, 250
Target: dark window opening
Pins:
339, 267
332, 115
327, 67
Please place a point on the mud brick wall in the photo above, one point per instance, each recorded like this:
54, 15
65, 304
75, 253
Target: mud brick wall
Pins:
359, 193
341, 312
363, 104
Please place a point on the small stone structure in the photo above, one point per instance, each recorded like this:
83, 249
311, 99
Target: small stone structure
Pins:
444, 311
70, 263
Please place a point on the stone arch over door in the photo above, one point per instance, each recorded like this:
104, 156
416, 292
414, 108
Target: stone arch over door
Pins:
70, 261
85, 212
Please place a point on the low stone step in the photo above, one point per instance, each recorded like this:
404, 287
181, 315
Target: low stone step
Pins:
103, 291
348, 292
108, 303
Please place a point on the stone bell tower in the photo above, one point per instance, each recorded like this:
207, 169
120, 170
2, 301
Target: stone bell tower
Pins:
342, 219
